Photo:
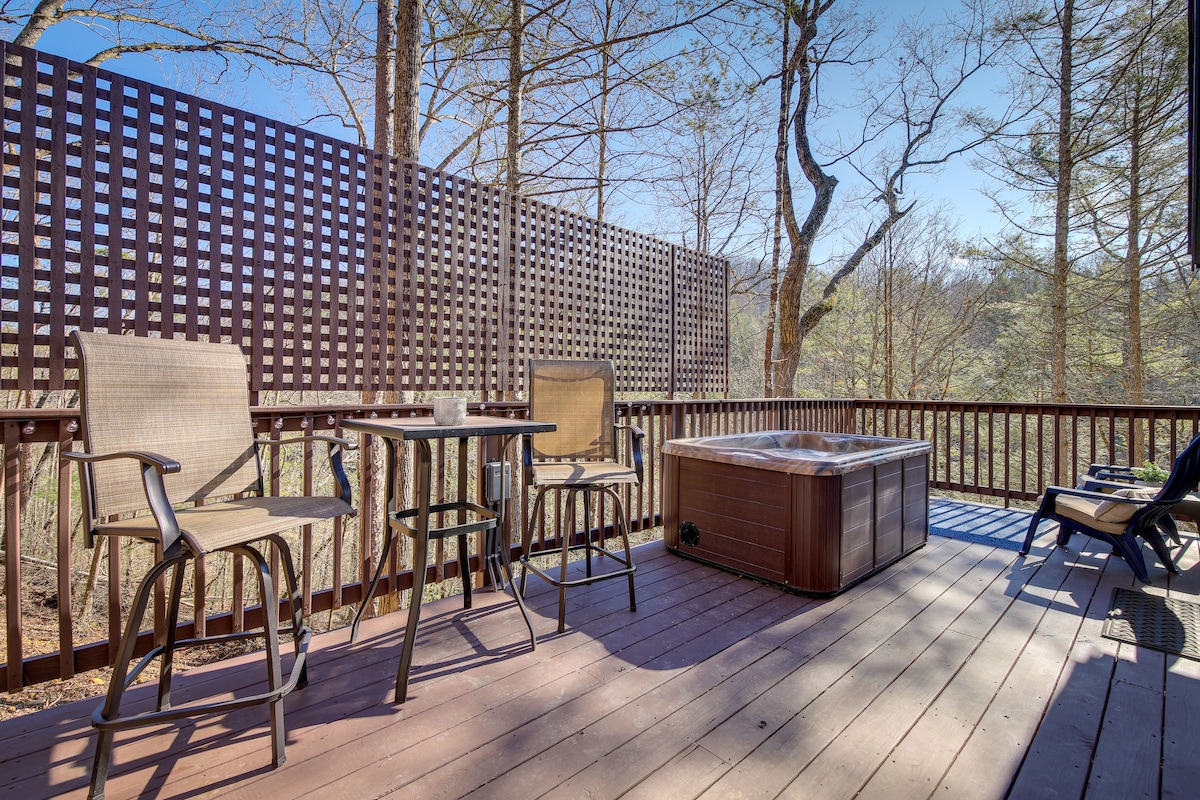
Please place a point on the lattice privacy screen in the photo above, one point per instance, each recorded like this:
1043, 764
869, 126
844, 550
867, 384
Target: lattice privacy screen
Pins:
131, 207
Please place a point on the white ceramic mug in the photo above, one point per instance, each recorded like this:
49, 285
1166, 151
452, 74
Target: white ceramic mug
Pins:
449, 410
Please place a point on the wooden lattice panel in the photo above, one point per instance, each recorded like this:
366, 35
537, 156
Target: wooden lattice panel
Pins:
129, 207
700, 339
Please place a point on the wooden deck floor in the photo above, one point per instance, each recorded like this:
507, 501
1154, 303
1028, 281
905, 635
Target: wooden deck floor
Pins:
964, 671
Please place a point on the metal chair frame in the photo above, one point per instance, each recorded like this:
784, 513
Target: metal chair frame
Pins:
600, 451
176, 541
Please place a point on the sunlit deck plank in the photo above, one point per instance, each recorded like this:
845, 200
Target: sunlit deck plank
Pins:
948, 674
1181, 718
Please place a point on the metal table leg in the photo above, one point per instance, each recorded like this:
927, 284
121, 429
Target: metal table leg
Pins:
494, 546
500, 541
420, 556
388, 534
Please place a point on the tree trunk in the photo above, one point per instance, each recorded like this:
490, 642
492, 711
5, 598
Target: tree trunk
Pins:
888, 267
516, 82
410, 14
39, 21
781, 179
1062, 219
1135, 368
602, 132
1062, 212
385, 76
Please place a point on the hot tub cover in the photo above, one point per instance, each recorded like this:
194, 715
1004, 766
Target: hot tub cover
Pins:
797, 452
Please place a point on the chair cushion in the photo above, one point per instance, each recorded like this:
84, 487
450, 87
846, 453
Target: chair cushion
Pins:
1110, 511
214, 526
582, 473
1083, 511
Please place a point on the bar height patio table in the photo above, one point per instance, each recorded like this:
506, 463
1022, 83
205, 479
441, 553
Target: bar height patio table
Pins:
415, 522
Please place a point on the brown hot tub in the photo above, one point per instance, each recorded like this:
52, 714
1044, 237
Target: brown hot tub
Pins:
810, 512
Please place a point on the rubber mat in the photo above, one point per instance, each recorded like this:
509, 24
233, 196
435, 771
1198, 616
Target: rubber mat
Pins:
1161, 623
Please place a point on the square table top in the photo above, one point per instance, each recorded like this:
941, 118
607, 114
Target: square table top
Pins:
427, 428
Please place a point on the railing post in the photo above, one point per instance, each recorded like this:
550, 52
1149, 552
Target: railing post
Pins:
66, 644
12, 554
677, 420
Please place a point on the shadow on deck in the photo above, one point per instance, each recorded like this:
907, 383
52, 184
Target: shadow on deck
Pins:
963, 671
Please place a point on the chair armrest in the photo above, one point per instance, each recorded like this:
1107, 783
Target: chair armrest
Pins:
341, 484
1095, 469
636, 435
154, 467
1098, 484
161, 464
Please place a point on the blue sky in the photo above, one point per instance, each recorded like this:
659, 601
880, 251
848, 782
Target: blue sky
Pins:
959, 183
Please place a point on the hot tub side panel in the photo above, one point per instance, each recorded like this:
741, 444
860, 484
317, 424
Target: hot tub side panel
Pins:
889, 511
916, 502
831, 531
741, 515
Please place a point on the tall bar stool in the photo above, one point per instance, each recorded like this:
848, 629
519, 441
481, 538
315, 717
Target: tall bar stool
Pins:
171, 460
579, 458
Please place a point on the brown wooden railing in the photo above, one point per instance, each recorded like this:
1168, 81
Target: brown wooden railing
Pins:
1013, 450
1001, 450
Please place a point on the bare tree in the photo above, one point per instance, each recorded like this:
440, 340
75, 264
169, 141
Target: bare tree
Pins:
715, 156
925, 295
560, 59
322, 45
911, 108
636, 61
257, 31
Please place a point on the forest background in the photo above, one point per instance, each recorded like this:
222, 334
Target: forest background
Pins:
973, 201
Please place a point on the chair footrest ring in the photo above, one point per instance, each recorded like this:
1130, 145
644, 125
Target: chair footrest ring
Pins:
628, 569
203, 708
486, 520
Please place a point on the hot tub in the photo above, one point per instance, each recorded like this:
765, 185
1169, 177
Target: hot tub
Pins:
810, 512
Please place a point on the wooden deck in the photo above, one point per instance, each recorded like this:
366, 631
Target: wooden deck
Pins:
964, 671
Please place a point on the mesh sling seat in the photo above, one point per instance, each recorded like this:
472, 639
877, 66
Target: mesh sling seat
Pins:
580, 457
170, 458
1120, 517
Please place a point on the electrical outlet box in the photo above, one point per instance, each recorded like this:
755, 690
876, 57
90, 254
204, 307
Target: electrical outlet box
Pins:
498, 480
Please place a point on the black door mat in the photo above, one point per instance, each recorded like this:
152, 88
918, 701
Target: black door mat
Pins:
1161, 623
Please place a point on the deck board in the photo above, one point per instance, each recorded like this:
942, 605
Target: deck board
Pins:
817, 710
859, 749
962, 671
1181, 717
1062, 748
